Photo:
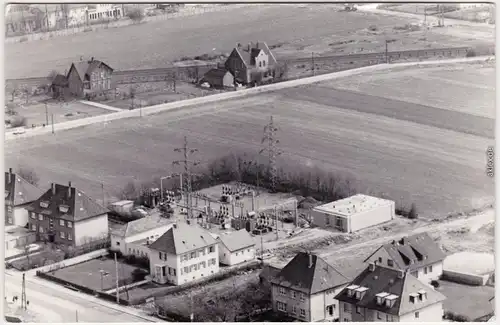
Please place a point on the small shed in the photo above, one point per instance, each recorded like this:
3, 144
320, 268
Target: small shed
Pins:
59, 86
458, 268
219, 78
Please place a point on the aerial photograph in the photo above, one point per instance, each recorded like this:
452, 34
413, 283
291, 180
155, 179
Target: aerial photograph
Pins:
249, 162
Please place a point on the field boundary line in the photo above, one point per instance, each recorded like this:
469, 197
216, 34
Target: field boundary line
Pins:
230, 95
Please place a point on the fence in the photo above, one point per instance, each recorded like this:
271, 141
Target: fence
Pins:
98, 294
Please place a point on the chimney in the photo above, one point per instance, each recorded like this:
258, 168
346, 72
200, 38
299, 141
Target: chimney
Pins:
257, 44
253, 201
371, 266
249, 47
238, 45
310, 260
9, 180
53, 189
401, 274
69, 189
174, 225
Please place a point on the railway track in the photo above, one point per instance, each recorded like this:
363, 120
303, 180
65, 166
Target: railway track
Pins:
124, 75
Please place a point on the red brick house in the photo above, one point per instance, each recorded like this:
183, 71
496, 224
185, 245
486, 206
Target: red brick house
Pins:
19, 194
66, 215
252, 63
88, 78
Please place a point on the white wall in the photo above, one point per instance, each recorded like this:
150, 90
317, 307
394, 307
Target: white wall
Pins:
437, 271
120, 243
92, 228
372, 217
138, 250
179, 264
232, 258
291, 302
432, 313
20, 215
319, 303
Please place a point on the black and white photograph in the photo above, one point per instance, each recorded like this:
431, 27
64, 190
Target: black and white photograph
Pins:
249, 162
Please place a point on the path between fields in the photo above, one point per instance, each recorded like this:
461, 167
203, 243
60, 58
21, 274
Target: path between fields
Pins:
99, 105
474, 221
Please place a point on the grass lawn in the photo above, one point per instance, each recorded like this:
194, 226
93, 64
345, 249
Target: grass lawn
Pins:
43, 258
470, 301
88, 273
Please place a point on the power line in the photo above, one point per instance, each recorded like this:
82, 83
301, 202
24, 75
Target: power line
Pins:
187, 163
272, 149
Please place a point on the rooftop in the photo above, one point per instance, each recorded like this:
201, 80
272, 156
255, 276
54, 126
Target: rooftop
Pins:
484, 263
19, 190
237, 240
353, 205
141, 225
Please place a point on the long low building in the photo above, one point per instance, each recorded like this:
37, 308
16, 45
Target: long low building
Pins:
354, 213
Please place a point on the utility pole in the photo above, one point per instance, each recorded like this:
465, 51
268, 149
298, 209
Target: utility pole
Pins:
52, 118
23, 294
270, 137
187, 163
76, 314
47, 18
103, 196
117, 281
46, 115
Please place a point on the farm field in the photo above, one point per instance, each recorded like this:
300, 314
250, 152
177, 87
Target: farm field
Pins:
433, 157
295, 31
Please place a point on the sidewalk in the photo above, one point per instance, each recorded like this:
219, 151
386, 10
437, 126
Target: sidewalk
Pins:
99, 105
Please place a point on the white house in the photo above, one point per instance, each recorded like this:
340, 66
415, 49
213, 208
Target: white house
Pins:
134, 237
186, 252
236, 247
353, 213
418, 254
19, 194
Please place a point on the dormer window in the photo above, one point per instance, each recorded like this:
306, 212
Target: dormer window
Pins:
381, 297
63, 208
422, 295
390, 301
413, 297
360, 292
350, 290
44, 204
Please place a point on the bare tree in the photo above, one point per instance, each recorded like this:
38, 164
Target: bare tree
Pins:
52, 75
136, 14
29, 175
129, 191
26, 91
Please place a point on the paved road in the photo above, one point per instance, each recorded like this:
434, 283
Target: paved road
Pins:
53, 303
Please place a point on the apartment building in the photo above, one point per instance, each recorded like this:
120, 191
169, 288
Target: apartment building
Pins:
19, 194
418, 254
305, 289
66, 215
186, 252
382, 294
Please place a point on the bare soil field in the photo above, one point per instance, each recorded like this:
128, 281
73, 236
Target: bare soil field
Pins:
36, 113
298, 31
436, 159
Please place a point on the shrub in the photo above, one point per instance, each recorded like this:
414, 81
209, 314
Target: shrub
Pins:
18, 121
435, 283
136, 15
455, 317
372, 28
470, 53
412, 214
139, 274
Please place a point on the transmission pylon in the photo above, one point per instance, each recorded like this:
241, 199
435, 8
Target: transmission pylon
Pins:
24, 304
186, 188
270, 131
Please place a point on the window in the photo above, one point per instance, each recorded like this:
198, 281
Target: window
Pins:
169, 271
163, 271
61, 222
160, 255
130, 250
193, 254
294, 294
294, 310
70, 224
380, 259
202, 252
236, 253
186, 269
33, 227
9, 209
69, 237
94, 85
327, 220
430, 268
264, 63
390, 262
302, 297
174, 272
40, 229
211, 249
32, 215
62, 235
40, 217
330, 309
282, 291
195, 267
10, 220
346, 307
302, 312
425, 270
379, 316
281, 306
412, 299
417, 314
358, 310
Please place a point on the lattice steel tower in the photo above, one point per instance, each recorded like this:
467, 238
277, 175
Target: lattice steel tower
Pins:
270, 131
187, 163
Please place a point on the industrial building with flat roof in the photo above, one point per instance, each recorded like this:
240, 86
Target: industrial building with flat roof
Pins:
353, 213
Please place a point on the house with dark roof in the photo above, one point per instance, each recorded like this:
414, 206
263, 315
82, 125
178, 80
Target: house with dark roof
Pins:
236, 247
89, 78
66, 215
383, 294
134, 237
306, 287
19, 194
252, 63
59, 87
218, 78
418, 254
186, 252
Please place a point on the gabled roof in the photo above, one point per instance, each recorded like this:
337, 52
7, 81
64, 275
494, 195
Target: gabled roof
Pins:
183, 238
79, 205
310, 274
60, 80
413, 252
237, 240
255, 48
141, 225
386, 281
86, 67
20, 191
